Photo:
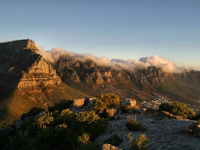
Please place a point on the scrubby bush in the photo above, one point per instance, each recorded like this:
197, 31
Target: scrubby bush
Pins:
111, 100
126, 108
3, 140
89, 122
87, 116
45, 120
140, 143
194, 129
45, 138
99, 106
84, 138
114, 140
90, 146
133, 125
59, 129
32, 113
106, 101
63, 104
96, 128
177, 108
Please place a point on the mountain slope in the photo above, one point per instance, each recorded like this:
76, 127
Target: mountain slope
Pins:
27, 80
140, 84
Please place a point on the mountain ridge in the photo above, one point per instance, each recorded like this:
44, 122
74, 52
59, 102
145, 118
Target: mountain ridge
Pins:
29, 80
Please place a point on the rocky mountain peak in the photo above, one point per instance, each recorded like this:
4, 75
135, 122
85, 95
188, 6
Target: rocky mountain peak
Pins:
21, 66
19, 45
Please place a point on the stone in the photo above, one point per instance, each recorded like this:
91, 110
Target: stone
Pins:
111, 112
90, 100
129, 101
137, 110
79, 102
110, 147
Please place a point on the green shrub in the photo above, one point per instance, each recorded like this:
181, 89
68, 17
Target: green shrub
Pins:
87, 116
114, 140
126, 108
194, 129
111, 100
95, 128
90, 146
84, 138
139, 143
133, 125
177, 108
3, 140
63, 104
45, 138
106, 101
60, 129
32, 113
99, 106
45, 120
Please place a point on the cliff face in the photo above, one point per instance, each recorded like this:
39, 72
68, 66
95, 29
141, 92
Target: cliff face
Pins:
141, 84
23, 67
27, 80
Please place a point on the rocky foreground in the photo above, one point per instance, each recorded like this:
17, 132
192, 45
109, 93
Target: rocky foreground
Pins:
164, 131
164, 134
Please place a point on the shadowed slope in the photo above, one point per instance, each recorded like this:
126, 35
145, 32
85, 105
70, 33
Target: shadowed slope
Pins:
27, 80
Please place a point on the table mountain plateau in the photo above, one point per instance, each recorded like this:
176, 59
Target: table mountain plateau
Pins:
28, 80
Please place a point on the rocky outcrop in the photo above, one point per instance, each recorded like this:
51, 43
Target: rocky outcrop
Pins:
79, 102
110, 147
23, 67
140, 84
39, 74
27, 80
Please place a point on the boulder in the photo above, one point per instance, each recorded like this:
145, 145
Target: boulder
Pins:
79, 102
129, 101
110, 147
111, 112
90, 100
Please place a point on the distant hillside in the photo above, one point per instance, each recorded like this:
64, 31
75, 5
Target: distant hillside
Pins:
140, 84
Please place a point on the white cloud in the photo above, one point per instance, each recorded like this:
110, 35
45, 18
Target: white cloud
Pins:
131, 65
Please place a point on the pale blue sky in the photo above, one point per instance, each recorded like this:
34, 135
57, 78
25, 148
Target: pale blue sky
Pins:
127, 29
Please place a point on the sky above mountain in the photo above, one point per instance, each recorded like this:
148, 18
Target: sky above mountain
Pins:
127, 29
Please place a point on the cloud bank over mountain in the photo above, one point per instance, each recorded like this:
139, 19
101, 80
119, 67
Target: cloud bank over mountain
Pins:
131, 65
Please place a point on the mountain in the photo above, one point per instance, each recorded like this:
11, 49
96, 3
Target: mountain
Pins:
27, 80
140, 84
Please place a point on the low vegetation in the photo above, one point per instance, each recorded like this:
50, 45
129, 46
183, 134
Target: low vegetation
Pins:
32, 113
177, 108
194, 129
133, 125
106, 101
63, 104
114, 140
57, 128
126, 108
140, 143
